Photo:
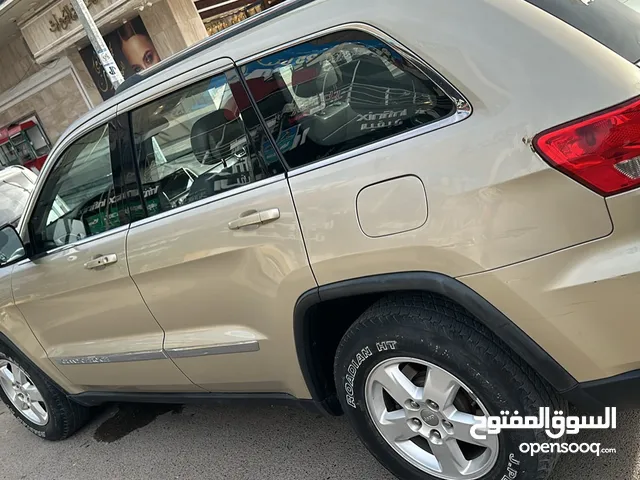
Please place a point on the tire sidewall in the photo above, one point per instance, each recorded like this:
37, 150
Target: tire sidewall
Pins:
359, 354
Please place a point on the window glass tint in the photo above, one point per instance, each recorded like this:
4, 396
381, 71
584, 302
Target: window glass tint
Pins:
199, 141
340, 92
78, 197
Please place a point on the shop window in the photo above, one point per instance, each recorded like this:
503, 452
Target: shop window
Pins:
198, 142
231, 16
78, 198
340, 92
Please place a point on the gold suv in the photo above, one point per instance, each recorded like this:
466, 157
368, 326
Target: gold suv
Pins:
415, 213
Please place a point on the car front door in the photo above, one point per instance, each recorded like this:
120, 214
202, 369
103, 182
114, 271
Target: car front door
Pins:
75, 290
219, 260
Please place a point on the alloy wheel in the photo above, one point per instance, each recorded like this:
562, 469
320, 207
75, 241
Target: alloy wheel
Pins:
425, 414
23, 393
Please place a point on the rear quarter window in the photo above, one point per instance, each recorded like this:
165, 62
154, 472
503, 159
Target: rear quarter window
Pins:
340, 92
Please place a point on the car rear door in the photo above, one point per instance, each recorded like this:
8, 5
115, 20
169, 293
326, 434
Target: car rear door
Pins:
219, 260
75, 291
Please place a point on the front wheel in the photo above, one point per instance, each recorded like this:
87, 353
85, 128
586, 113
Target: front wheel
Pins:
37, 403
412, 373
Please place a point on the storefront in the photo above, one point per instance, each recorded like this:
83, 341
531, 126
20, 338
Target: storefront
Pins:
50, 74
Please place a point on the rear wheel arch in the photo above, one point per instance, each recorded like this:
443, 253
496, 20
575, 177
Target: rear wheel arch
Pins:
317, 336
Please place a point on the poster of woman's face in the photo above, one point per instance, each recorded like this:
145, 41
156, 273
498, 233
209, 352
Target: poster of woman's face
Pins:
132, 50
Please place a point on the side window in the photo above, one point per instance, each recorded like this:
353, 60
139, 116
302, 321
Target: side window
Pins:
200, 141
78, 198
340, 92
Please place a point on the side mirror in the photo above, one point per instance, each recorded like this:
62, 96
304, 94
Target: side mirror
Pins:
11, 246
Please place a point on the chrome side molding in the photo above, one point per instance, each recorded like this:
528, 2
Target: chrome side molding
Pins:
219, 349
111, 358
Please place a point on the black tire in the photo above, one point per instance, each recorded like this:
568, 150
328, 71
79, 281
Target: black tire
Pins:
64, 415
436, 330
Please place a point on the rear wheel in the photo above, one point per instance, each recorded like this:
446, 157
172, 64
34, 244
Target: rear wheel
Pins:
413, 372
36, 402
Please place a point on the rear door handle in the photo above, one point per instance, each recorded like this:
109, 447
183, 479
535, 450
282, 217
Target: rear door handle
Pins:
253, 217
101, 261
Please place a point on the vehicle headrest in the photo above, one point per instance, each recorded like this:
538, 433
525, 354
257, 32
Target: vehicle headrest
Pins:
311, 81
212, 134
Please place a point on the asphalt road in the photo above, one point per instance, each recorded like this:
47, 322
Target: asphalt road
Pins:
245, 442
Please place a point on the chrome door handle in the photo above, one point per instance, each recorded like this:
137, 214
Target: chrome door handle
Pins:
255, 218
101, 261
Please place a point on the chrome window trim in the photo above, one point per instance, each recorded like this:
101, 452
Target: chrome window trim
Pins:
371, 147
220, 349
85, 240
463, 107
78, 243
206, 201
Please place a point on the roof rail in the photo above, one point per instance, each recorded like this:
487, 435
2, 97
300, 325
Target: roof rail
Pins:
230, 32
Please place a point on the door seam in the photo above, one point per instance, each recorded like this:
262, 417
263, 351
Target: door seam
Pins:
164, 333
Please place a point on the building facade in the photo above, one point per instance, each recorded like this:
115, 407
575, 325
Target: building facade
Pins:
50, 75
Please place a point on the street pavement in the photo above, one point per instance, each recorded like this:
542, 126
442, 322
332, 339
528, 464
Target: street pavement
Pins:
245, 442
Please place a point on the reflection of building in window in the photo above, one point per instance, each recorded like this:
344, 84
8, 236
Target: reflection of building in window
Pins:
24, 143
222, 14
198, 142
340, 92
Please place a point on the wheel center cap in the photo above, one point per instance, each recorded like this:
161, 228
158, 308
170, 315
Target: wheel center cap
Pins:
430, 418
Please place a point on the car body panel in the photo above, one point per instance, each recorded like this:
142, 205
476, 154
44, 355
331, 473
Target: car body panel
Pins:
579, 304
83, 318
17, 331
484, 221
190, 286
210, 287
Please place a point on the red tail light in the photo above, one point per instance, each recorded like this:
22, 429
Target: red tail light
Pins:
601, 151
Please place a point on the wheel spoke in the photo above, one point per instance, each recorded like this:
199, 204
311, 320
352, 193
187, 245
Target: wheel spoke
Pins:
33, 392
7, 375
462, 423
6, 382
18, 375
440, 387
397, 384
393, 425
39, 412
450, 457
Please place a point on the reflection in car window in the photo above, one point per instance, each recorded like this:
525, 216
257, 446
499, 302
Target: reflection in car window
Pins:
199, 141
78, 198
340, 92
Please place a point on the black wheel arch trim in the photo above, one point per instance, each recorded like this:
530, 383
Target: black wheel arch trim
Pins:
528, 350
24, 357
